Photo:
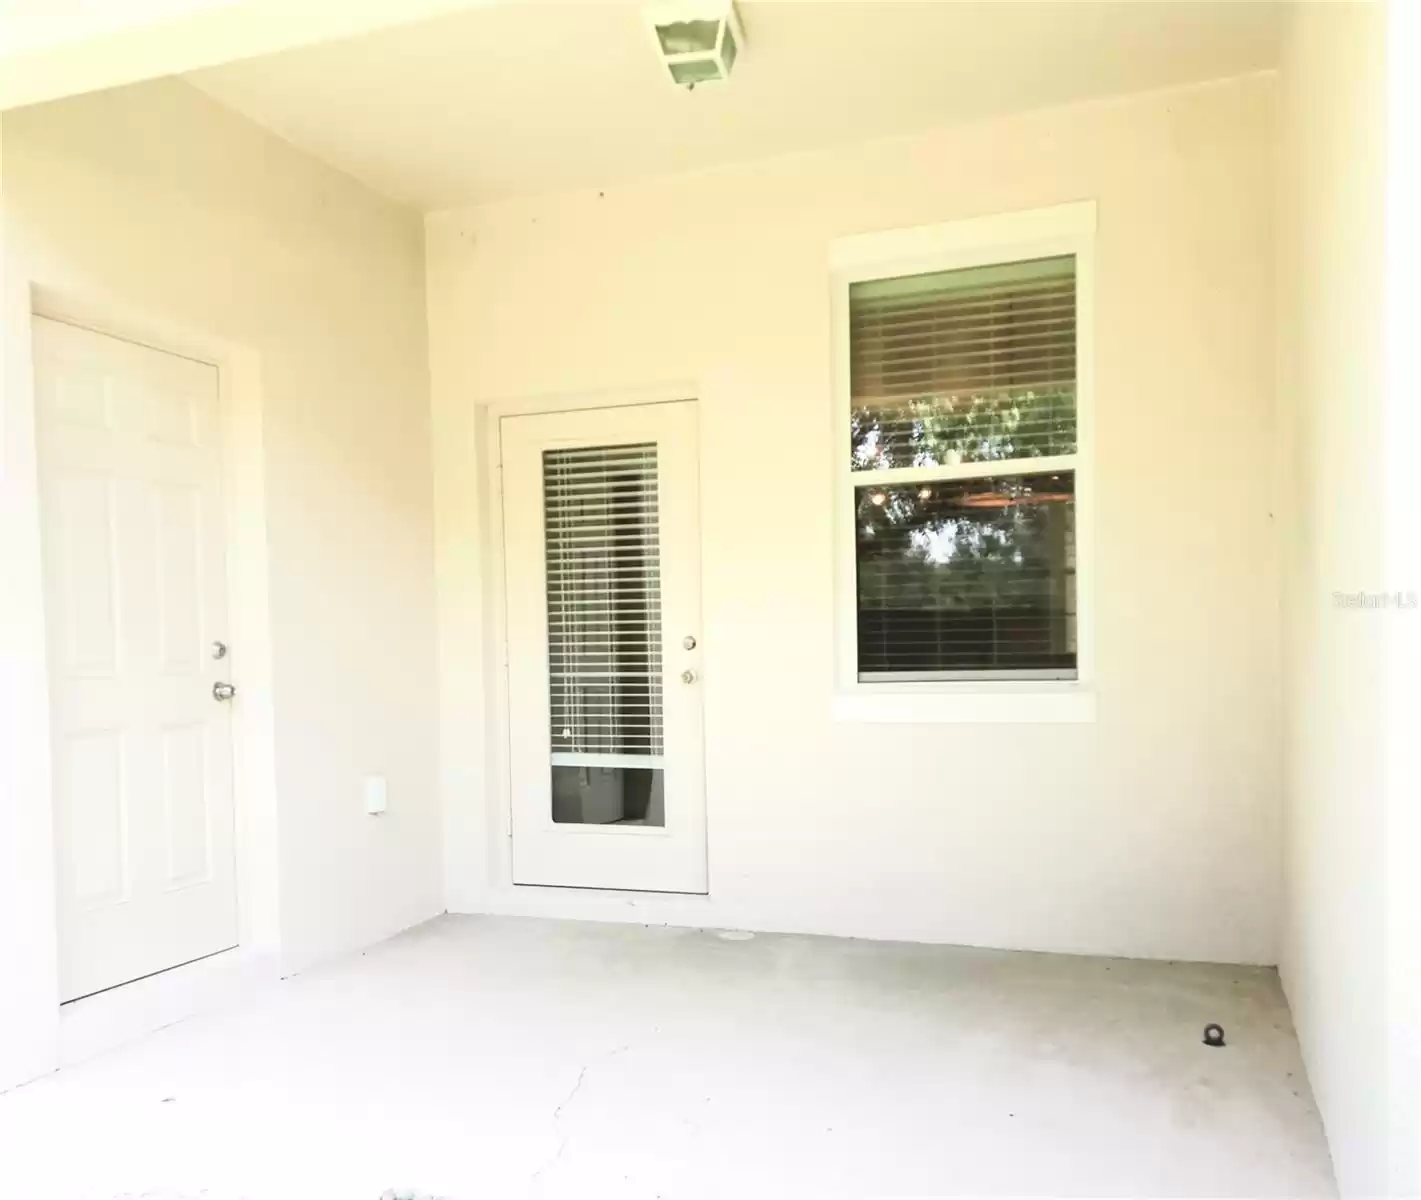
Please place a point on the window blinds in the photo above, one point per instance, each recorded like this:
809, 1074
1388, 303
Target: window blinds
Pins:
965, 572
968, 576
604, 605
974, 365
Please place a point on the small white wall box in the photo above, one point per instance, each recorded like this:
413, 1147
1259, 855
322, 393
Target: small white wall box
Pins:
699, 40
377, 796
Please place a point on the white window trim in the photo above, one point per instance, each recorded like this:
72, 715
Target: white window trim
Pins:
1011, 237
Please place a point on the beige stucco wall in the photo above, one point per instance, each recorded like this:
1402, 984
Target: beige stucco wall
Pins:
158, 206
1344, 963
1153, 831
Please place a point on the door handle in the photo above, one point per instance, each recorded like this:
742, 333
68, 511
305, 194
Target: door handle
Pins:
688, 676
223, 691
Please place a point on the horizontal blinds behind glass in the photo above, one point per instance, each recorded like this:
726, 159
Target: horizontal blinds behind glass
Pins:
967, 576
604, 602
974, 365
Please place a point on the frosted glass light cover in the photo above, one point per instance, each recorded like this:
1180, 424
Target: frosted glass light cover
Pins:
688, 37
691, 71
698, 40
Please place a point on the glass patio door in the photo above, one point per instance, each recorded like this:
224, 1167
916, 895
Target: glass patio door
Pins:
601, 545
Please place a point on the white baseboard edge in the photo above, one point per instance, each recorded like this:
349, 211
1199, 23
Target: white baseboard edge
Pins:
107, 1020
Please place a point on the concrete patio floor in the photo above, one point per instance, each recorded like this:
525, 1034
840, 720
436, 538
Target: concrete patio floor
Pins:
480, 1057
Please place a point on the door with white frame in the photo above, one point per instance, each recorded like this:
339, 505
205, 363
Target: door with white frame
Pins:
134, 549
602, 571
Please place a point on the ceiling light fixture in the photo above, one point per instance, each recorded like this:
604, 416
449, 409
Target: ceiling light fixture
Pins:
699, 40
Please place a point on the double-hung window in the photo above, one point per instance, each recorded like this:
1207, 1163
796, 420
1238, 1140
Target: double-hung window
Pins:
961, 445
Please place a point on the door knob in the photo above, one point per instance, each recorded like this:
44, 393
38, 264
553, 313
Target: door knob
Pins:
223, 691
688, 676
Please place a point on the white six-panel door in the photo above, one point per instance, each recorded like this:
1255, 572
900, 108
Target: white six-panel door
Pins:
136, 595
602, 571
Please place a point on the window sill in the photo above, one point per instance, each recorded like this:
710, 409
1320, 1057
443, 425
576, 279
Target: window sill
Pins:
983, 706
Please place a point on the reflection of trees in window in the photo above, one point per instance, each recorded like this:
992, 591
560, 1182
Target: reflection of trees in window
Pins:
967, 574
970, 365
935, 431
951, 372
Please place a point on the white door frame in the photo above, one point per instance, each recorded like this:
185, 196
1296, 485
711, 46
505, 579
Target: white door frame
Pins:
240, 406
499, 774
